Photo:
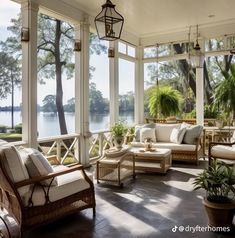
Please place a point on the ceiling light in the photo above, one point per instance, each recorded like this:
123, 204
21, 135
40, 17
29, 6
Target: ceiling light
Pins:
109, 22
197, 57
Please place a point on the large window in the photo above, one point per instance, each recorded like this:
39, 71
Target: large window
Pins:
10, 71
56, 103
126, 90
99, 84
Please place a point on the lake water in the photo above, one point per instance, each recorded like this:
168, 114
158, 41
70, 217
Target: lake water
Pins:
48, 124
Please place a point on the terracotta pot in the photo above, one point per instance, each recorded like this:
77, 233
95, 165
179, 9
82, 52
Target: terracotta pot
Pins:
219, 214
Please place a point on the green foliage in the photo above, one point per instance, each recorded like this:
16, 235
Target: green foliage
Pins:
164, 101
70, 106
3, 129
126, 102
11, 136
210, 111
9, 73
96, 100
119, 129
18, 128
224, 96
217, 181
49, 104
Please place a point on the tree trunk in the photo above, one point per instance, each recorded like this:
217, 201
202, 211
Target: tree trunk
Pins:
207, 86
227, 60
191, 75
184, 67
59, 88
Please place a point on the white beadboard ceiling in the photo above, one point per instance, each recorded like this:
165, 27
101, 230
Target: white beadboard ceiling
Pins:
152, 17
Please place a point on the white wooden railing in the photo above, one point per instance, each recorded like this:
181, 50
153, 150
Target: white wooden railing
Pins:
63, 147
98, 142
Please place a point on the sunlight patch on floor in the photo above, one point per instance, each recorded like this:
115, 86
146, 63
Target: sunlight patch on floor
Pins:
131, 197
185, 186
167, 206
122, 220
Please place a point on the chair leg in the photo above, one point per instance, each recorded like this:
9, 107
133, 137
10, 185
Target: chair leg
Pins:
94, 212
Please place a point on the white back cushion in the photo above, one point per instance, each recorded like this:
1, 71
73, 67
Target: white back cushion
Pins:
37, 164
163, 131
14, 167
147, 133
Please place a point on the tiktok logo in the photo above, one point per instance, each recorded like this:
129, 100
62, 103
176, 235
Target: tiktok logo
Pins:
174, 229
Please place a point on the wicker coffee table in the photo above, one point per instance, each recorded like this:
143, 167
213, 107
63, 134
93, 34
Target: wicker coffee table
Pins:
156, 161
115, 166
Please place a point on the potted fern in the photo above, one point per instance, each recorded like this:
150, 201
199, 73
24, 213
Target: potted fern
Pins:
218, 181
118, 131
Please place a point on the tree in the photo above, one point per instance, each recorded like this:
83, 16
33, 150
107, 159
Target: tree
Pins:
55, 53
70, 106
96, 100
9, 78
55, 48
126, 102
224, 96
164, 101
49, 104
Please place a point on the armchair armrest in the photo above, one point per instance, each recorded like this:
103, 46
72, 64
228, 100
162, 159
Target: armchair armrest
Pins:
211, 144
49, 176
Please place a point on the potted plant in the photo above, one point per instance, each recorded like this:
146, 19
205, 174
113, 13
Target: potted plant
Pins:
218, 181
118, 131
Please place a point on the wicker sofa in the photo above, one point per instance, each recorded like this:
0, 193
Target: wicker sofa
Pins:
32, 201
180, 151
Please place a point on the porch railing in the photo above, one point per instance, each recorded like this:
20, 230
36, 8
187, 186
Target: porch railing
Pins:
64, 147
98, 142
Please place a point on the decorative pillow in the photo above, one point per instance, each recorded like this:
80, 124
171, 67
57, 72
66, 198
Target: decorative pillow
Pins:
147, 133
191, 134
14, 166
163, 131
177, 135
138, 128
37, 164
184, 125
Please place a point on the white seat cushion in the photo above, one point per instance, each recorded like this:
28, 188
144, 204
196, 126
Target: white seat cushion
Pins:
168, 145
14, 166
68, 184
163, 131
223, 152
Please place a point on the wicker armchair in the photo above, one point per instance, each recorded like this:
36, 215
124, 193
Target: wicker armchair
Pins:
219, 150
43, 204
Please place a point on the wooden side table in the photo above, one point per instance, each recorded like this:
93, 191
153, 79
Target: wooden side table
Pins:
115, 166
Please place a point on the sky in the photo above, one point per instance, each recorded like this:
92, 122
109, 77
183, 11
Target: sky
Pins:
10, 9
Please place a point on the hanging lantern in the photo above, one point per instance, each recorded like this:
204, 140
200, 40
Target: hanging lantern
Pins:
109, 22
197, 57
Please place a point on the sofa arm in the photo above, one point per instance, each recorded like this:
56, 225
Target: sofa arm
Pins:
39, 179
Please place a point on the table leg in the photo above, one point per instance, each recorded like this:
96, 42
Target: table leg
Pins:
133, 159
97, 172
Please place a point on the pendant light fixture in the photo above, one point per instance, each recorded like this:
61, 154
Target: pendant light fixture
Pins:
109, 22
197, 57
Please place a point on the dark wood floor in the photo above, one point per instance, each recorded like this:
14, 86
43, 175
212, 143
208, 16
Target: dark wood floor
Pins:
150, 206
